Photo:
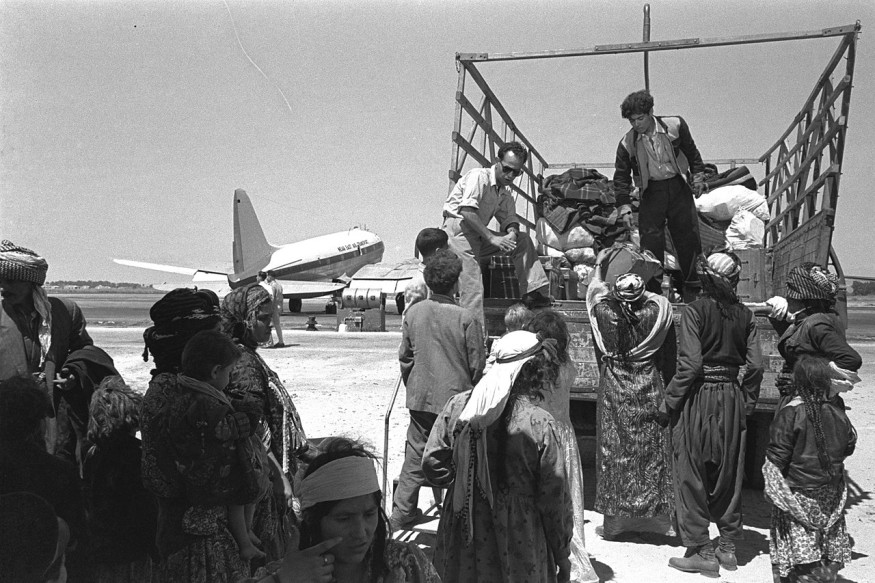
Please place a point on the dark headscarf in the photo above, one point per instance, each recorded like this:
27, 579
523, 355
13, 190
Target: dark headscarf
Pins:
177, 317
810, 281
240, 310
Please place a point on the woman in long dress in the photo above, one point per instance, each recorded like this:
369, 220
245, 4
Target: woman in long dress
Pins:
507, 515
635, 346
246, 317
557, 402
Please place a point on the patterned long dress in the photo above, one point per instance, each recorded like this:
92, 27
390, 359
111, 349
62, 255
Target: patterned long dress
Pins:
557, 403
529, 527
190, 475
253, 380
634, 450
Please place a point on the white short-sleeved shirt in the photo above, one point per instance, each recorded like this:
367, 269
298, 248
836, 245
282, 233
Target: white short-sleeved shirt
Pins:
479, 189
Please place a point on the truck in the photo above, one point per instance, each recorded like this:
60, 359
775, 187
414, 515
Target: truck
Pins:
801, 177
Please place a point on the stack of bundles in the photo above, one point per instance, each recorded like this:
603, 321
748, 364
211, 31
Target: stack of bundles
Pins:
732, 214
578, 217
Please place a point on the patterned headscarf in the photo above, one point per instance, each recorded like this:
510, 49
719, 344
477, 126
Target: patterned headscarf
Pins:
178, 316
720, 273
629, 288
240, 311
810, 281
21, 264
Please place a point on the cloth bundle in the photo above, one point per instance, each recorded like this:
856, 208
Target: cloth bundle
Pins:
740, 175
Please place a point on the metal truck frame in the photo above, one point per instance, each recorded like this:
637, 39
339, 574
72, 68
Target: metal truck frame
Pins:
802, 172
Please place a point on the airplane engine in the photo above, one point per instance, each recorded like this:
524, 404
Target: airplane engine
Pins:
362, 298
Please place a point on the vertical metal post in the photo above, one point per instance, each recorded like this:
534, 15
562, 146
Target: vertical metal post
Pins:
647, 40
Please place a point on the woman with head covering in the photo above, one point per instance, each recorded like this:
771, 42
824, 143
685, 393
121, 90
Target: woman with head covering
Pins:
557, 401
186, 464
507, 515
708, 406
635, 347
246, 317
808, 324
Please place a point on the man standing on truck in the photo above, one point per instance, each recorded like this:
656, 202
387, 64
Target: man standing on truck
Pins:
658, 153
479, 196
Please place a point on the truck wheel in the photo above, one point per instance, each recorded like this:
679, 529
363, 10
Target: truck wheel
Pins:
295, 305
330, 308
399, 303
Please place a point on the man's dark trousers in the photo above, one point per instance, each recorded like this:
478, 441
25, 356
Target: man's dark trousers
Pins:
406, 499
670, 201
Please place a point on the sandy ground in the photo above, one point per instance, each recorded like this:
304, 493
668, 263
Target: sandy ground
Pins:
342, 384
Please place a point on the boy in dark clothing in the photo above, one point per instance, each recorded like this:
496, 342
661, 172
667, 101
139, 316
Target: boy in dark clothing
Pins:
707, 408
442, 353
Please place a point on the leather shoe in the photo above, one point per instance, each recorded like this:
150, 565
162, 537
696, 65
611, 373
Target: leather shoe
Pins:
697, 560
725, 554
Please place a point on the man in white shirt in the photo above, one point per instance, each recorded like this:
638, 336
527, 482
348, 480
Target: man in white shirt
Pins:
481, 195
276, 291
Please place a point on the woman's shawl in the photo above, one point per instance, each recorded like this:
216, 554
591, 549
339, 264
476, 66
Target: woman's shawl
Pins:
598, 291
782, 496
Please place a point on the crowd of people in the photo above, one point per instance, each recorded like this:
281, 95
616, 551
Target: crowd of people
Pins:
209, 477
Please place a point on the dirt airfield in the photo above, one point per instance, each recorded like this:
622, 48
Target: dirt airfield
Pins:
342, 384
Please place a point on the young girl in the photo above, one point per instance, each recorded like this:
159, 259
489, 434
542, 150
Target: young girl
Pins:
121, 513
206, 369
810, 438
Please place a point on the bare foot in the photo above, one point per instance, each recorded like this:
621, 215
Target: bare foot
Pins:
250, 551
255, 540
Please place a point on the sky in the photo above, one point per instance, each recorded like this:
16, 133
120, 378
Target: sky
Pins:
126, 126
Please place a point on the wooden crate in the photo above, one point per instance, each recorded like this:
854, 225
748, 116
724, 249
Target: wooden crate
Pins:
752, 285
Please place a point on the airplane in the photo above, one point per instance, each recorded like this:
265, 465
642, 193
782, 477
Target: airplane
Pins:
319, 266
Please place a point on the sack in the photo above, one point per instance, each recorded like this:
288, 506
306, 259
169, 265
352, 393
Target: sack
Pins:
746, 231
722, 203
576, 236
626, 258
581, 255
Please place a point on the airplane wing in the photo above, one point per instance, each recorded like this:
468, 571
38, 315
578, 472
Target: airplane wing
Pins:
390, 278
309, 289
197, 275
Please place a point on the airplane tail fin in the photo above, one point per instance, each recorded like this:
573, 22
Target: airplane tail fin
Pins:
251, 249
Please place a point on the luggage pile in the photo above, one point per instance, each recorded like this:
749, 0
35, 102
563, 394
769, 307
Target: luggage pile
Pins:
578, 218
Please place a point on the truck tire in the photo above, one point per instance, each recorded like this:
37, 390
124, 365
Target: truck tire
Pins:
295, 305
331, 308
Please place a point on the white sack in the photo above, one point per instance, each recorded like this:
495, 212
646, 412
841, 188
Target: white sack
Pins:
584, 277
722, 203
581, 255
577, 236
746, 231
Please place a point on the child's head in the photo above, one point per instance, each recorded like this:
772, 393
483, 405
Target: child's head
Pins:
442, 271
517, 317
813, 375
430, 240
551, 324
23, 408
209, 356
114, 408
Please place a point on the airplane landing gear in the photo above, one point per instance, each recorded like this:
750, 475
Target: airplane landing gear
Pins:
295, 305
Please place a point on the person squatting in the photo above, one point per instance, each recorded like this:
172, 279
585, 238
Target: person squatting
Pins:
209, 476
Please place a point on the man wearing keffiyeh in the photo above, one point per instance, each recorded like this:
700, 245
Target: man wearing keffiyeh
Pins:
36, 332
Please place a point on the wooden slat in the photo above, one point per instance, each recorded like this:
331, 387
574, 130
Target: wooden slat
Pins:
666, 45
818, 147
720, 162
471, 150
833, 171
804, 165
487, 91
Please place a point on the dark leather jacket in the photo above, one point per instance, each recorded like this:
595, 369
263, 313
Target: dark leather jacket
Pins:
792, 447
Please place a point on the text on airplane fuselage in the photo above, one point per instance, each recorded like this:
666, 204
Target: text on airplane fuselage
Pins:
352, 246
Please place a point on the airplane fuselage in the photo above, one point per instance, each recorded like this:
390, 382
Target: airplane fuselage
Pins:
322, 258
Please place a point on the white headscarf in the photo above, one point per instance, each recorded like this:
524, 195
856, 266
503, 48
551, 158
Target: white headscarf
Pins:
485, 405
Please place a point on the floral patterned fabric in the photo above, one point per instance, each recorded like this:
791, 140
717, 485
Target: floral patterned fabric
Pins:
191, 463
634, 450
529, 528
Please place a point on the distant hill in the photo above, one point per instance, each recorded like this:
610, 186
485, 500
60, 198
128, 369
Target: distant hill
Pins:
89, 286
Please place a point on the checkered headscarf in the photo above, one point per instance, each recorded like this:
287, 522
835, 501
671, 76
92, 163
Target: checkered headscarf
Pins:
21, 264
810, 281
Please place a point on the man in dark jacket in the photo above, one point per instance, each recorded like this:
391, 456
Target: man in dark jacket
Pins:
658, 153
442, 353
37, 333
